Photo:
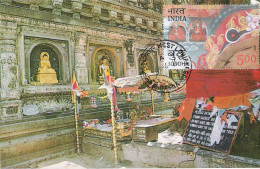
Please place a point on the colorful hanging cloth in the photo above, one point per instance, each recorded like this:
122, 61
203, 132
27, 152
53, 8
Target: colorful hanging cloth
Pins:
221, 83
186, 108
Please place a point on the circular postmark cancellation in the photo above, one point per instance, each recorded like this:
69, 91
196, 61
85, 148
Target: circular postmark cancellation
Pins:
175, 58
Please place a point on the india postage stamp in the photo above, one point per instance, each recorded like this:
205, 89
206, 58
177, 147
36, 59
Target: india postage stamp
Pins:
214, 36
176, 58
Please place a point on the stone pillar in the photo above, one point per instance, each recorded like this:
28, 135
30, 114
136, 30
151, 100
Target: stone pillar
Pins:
80, 59
130, 57
10, 106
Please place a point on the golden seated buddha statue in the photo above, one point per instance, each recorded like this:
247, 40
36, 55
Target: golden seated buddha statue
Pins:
45, 73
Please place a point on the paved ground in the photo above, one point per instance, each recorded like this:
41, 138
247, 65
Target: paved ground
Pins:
75, 161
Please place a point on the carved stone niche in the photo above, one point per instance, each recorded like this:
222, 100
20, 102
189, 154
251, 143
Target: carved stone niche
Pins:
58, 51
10, 110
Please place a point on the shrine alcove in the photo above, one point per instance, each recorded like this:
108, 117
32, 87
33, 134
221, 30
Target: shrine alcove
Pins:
35, 60
147, 63
112, 61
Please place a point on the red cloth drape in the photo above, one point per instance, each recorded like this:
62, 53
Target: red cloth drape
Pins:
232, 101
221, 83
186, 108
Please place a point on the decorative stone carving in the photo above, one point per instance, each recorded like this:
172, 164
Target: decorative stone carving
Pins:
126, 19
50, 103
129, 49
150, 4
10, 109
131, 72
80, 52
158, 27
149, 24
96, 12
138, 21
132, 2
82, 76
9, 73
76, 6
112, 15
27, 41
34, 7
80, 60
57, 3
157, 5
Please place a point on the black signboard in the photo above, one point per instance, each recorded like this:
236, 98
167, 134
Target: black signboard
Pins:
211, 131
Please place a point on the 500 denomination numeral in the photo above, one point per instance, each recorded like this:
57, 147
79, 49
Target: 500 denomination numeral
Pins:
241, 59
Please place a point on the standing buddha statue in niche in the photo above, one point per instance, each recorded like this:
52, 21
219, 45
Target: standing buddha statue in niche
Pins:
104, 67
45, 73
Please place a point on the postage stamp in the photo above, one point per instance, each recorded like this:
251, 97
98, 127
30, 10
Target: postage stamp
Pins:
214, 36
176, 58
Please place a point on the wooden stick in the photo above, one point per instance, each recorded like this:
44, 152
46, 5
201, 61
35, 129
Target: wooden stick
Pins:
76, 121
113, 124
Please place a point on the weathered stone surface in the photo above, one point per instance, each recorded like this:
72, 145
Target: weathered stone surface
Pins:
76, 6
94, 148
183, 156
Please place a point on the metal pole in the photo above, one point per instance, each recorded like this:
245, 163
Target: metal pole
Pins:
152, 101
113, 124
76, 120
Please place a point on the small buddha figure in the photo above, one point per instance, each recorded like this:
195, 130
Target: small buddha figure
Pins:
146, 68
45, 73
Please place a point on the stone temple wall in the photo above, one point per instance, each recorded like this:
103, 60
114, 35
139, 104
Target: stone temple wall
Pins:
76, 31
